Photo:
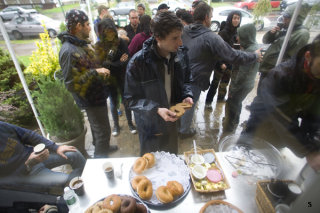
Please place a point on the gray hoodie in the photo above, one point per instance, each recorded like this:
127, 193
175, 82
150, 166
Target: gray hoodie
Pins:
205, 49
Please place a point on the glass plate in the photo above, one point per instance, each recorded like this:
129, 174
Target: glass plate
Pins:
252, 157
123, 195
168, 167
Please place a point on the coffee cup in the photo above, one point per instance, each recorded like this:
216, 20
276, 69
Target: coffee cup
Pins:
294, 192
77, 185
108, 170
278, 189
39, 148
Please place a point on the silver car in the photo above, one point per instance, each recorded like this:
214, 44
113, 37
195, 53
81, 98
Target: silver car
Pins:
31, 25
9, 12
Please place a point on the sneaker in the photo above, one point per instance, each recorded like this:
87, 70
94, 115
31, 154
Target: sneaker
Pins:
116, 130
112, 148
189, 134
132, 128
208, 106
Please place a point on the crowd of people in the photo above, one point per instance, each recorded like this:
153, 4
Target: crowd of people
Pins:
154, 63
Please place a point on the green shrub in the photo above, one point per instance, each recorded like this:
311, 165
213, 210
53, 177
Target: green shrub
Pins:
58, 112
45, 60
14, 105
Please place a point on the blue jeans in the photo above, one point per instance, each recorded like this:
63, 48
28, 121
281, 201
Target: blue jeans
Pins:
42, 179
114, 101
186, 119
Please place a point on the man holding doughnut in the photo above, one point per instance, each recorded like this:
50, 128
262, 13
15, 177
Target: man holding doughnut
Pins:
158, 77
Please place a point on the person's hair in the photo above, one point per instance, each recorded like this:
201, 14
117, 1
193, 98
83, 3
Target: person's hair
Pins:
107, 15
164, 23
195, 3
102, 7
132, 11
184, 15
141, 5
201, 11
105, 24
145, 24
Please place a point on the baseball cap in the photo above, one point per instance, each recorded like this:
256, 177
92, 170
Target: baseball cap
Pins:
163, 6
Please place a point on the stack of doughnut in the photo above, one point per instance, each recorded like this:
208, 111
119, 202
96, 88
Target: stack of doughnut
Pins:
180, 108
143, 186
117, 204
168, 193
143, 163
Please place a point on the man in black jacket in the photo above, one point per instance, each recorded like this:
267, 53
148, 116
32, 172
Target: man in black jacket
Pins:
133, 27
207, 48
289, 105
85, 79
157, 77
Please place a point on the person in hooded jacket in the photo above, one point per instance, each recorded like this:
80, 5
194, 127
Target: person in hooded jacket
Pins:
158, 77
242, 81
299, 38
112, 53
289, 105
207, 49
85, 79
222, 71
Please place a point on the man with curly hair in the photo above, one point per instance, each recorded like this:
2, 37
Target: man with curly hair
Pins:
157, 77
85, 79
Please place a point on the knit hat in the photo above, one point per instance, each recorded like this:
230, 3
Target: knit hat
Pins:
74, 17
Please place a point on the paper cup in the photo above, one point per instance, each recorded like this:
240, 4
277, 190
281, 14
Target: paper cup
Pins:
108, 170
77, 185
39, 148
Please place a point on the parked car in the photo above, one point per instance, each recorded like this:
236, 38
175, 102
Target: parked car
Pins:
250, 4
9, 12
174, 6
220, 14
122, 8
25, 25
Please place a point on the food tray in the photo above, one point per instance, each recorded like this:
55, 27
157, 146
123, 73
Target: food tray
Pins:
231, 207
123, 195
168, 167
214, 187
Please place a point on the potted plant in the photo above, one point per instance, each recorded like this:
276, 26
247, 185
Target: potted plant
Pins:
61, 117
59, 114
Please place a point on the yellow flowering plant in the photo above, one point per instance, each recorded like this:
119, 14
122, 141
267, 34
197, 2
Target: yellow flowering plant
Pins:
45, 60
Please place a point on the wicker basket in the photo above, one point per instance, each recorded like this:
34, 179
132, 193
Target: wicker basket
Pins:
203, 151
219, 202
264, 199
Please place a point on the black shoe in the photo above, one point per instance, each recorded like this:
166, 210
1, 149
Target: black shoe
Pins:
132, 128
116, 130
112, 148
220, 99
189, 134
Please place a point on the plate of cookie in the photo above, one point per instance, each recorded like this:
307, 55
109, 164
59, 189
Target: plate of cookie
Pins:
118, 203
160, 179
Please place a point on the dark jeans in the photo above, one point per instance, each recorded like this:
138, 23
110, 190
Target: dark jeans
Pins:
42, 178
221, 79
240, 86
167, 141
114, 102
100, 128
